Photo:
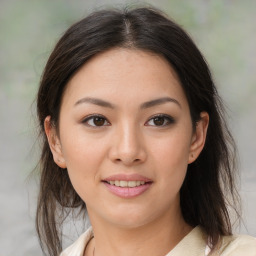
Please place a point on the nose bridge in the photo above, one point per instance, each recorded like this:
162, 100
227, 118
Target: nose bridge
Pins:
128, 138
128, 144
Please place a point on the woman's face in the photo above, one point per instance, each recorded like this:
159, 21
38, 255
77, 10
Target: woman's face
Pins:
125, 137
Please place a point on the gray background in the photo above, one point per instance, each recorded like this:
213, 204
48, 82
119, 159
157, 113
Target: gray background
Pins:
225, 31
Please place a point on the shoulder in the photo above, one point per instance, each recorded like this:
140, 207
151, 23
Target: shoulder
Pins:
238, 245
78, 247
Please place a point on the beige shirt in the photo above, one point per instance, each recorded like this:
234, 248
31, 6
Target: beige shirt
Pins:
193, 244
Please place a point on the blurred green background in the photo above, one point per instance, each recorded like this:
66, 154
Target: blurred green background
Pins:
225, 32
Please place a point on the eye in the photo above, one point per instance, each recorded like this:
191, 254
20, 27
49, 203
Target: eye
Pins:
160, 120
96, 121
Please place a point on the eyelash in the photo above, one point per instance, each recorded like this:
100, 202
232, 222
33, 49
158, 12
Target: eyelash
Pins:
168, 120
92, 117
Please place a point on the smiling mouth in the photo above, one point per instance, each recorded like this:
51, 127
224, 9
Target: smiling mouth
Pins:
126, 184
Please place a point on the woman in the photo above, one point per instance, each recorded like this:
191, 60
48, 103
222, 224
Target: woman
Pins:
133, 133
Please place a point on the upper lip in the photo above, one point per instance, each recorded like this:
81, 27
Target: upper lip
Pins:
127, 177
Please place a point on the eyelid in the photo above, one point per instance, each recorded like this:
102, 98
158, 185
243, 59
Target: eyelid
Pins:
170, 119
90, 117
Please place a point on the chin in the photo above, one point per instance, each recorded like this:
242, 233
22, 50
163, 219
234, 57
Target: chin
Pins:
130, 219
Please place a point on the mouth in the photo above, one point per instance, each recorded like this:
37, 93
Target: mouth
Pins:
127, 184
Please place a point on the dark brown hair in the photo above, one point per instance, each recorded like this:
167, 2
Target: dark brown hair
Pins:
208, 189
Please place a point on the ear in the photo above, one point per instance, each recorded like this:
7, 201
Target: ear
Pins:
54, 142
199, 137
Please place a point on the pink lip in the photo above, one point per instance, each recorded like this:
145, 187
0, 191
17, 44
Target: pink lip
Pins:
127, 177
126, 192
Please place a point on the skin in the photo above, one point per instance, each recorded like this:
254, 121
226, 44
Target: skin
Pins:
128, 141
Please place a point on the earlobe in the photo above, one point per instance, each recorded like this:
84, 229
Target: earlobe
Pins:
199, 137
54, 143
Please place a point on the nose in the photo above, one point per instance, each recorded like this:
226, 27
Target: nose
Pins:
127, 146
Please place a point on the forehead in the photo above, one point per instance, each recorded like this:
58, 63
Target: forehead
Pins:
126, 75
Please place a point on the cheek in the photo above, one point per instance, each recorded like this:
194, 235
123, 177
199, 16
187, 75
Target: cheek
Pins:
171, 160
173, 149
81, 150
83, 157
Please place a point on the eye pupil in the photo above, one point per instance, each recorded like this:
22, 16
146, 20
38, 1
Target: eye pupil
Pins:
159, 120
98, 121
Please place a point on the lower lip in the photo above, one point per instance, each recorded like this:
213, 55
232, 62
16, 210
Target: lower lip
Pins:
127, 192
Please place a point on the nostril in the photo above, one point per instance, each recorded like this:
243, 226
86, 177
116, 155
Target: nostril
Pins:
127, 161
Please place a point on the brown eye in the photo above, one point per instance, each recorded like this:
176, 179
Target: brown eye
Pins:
160, 120
96, 121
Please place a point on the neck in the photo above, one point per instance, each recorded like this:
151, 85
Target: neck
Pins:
156, 238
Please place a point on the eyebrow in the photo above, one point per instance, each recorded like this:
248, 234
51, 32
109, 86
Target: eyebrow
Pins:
147, 104
159, 101
95, 101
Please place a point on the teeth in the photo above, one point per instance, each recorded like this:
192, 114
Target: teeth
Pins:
124, 183
132, 184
